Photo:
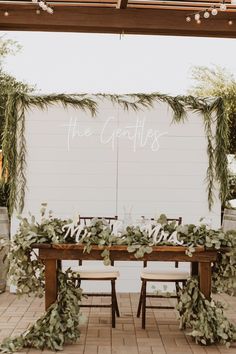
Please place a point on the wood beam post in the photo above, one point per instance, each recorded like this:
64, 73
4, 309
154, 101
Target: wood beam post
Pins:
122, 4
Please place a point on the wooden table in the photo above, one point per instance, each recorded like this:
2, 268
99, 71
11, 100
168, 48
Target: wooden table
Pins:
52, 253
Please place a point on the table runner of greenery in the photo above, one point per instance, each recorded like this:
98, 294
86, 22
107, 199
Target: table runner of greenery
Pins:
60, 324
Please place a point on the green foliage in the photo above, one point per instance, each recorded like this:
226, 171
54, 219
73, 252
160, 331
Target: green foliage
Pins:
98, 233
205, 318
138, 241
4, 194
8, 47
25, 265
224, 269
60, 323
232, 187
58, 326
26, 270
218, 82
14, 144
10, 86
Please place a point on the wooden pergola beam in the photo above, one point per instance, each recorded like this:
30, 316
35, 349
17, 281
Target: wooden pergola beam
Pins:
110, 20
122, 4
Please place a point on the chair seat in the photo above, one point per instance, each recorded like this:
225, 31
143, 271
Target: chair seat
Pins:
168, 276
90, 274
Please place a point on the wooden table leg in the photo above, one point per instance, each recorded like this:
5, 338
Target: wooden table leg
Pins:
205, 278
194, 268
50, 282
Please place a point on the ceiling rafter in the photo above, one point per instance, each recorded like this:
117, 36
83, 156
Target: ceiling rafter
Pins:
122, 4
160, 17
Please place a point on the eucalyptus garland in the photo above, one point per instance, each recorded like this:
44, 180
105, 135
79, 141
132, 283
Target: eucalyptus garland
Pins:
205, 318
27, 271
59, 325
14, 144
224, 269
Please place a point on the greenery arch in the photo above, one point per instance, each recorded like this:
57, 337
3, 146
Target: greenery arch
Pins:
14, 144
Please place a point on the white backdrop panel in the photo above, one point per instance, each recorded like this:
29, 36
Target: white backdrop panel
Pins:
99, 166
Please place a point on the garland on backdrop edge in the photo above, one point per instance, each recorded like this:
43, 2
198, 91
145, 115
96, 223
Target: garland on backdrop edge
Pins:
14, 143
59, 325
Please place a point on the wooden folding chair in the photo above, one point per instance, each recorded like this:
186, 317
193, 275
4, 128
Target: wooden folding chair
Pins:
176, 276
95, 275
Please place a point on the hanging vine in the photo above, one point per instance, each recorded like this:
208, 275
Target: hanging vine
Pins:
14, 144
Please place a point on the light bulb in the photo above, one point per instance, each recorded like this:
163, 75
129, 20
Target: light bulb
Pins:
214, 12
206, 14
197, 17
38, 12
230, 22
198, 22
188, 19
223, 7
6, 13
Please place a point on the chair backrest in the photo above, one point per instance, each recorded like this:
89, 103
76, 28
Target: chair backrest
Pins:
109, 219
229, 220
86, 219
179, 222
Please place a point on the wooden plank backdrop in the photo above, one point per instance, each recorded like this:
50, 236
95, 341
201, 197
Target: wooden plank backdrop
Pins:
102, 175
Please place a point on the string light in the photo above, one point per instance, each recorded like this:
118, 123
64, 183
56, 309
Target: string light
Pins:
206, 13
214, 12
43, 5
223, 6
6, 13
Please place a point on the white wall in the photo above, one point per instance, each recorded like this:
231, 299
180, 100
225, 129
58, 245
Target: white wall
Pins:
93, 178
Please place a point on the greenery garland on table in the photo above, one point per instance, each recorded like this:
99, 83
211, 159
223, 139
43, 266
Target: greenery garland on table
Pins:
14, 144
50, 230
59, 325
26, 270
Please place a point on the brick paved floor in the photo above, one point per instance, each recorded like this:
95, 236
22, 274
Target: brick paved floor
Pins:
162, 335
